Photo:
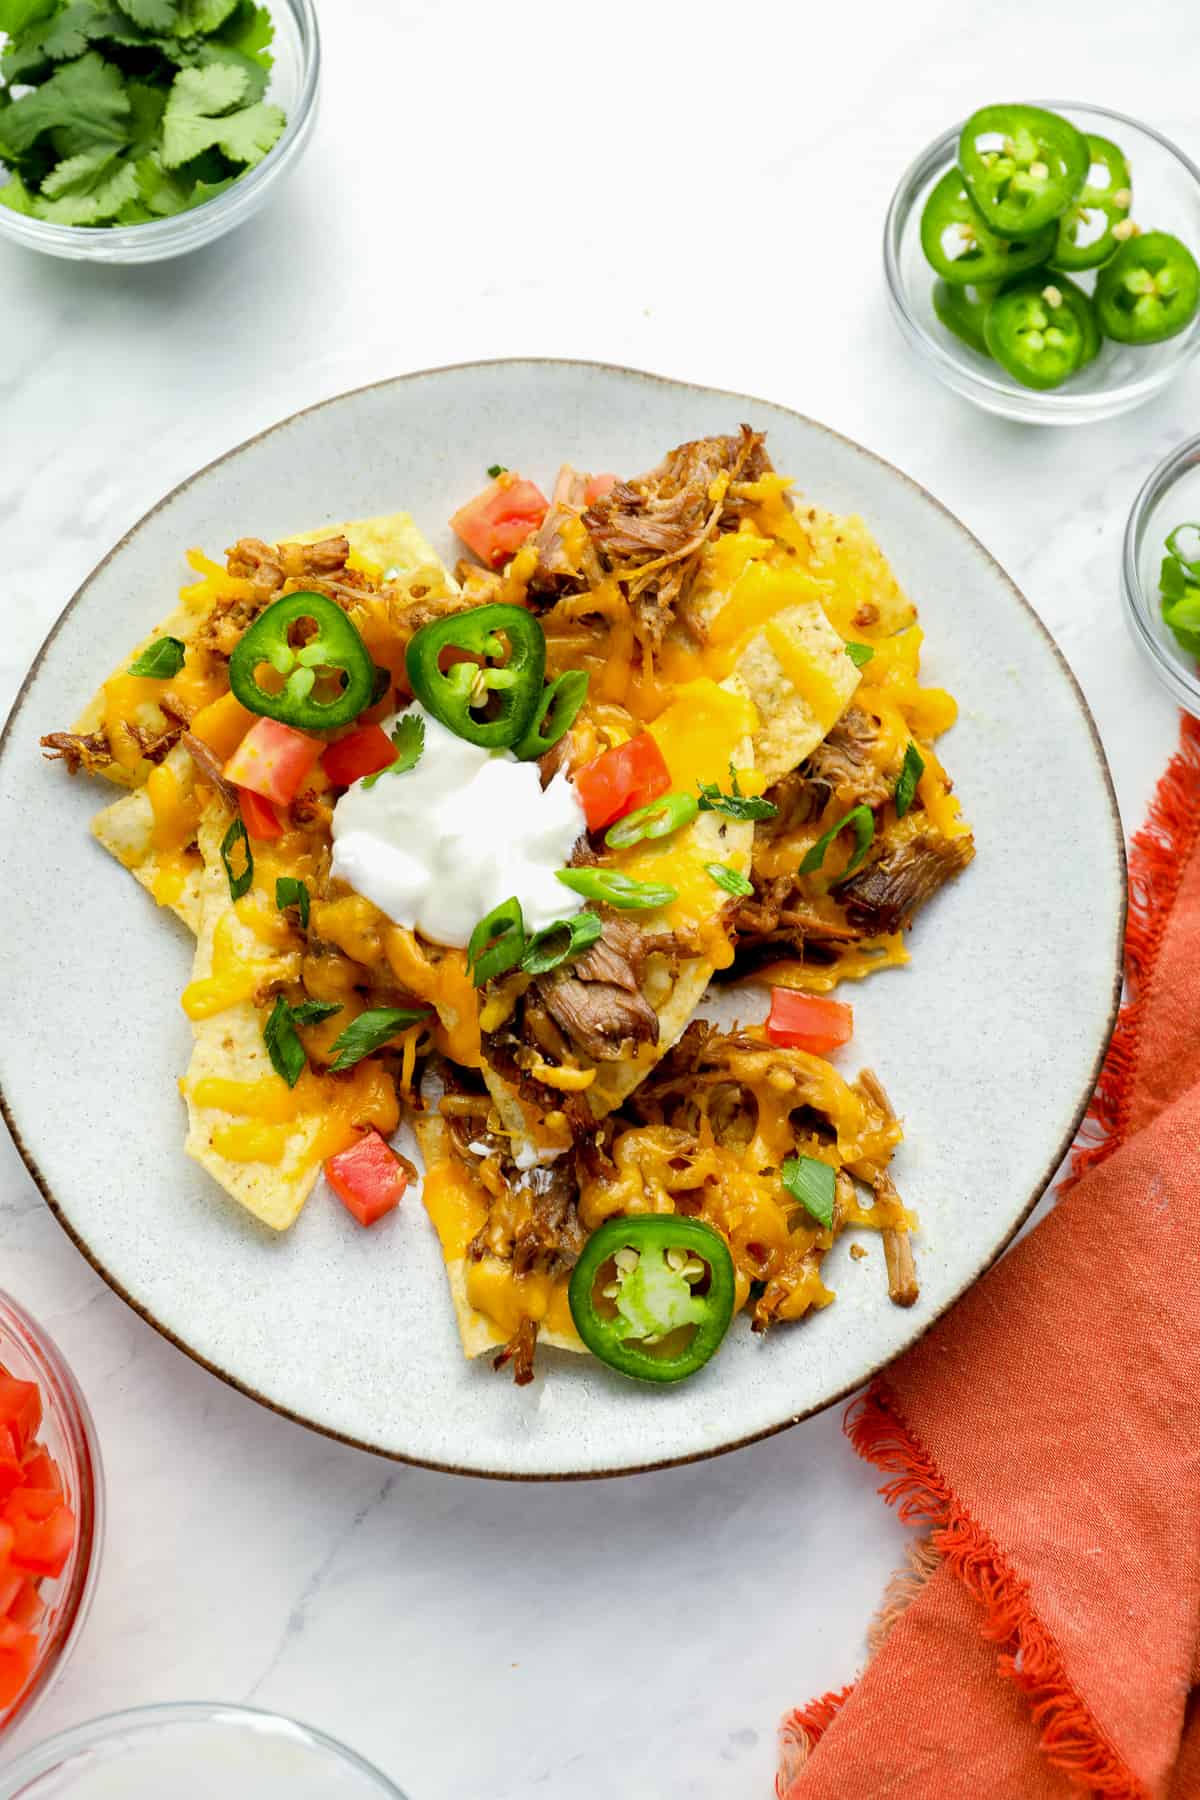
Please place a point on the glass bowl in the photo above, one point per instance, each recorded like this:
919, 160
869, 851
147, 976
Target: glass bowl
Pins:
69, 1435
293, 85
1166, 197
1170, 497
191, 1752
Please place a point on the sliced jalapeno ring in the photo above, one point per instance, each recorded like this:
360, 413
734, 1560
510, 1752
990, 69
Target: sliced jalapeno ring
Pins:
959, 246
652, 1296
1022, 167
556, 712
457, 695
657, 820
962, 310
1034, 334
497, 943
1149, 291
1087, 230
1186, 550
332, 656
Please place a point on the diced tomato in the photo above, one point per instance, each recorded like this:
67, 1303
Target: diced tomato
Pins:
258, 815
12, 1474
20, 1412
18, 1658
27, 1609
12, 1584
39, 1470
359, 753
597, 487
496, 523
43, 1531
806, 1022
627, 776
273, 760
368, 1178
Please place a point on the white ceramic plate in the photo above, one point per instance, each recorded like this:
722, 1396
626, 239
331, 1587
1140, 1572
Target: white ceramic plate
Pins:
989, 1043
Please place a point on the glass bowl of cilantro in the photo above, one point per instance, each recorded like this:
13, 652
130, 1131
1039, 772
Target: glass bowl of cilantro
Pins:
1160, 573
134, 130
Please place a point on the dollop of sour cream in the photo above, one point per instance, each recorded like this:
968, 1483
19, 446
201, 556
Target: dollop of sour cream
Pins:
439, 846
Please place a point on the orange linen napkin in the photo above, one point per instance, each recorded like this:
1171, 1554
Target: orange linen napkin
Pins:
1046, 1434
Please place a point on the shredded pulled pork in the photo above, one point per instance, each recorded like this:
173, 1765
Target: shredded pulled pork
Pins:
566, 560
885, 894
597, 1000
89, 752
269, 566
519, 1351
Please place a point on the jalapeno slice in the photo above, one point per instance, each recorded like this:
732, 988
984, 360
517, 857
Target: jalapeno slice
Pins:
652, 1296
1081, 305
962, 310
1022, 166
1034, 334
959, 246
1086, 231
1149, 291
556, 712
508, 684
328, 675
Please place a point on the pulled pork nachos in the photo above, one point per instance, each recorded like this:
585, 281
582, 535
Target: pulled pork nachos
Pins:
472, 847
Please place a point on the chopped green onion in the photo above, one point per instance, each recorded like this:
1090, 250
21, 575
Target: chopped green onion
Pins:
497, 469
860, 653
734, 804
159, 660
1190, 562
409, 740
370, 1032
290, 892
279, 1034
813, 1183
657, 820
732, 880
911, 772
548, 948
616, 889
862, 823
497, 942
235, 836
557, 711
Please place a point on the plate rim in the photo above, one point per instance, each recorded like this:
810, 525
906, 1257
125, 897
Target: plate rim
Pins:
244, 1388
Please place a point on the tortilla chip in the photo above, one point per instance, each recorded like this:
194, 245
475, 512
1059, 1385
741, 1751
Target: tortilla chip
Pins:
798, 674
477, 1332
126, 830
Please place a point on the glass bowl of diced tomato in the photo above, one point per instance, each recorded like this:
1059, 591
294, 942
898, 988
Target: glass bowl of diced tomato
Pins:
51, 1512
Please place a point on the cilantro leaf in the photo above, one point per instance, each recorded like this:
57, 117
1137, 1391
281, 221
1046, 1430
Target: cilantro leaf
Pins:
197, 18
17, 15
206, 55
17, 197
145, 118
198, 118
63, 35
161, 196
409, 739
251, 31
160, 660
84, 103
88, 189
151, 15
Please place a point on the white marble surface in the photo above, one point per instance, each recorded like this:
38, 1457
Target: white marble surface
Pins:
701, 194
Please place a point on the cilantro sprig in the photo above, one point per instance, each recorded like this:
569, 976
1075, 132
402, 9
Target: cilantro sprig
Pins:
131, 110
408, 738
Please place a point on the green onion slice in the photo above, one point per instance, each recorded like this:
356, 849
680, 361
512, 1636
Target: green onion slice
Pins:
497, 469
370, 1032
1189, 557
734, 804
557, 711
497, 942
290, 892
615, 889
159, 660
409, 740
860, 654
911, 771
235, 836
279, 1034
861, 821
813, 1183
732, 880
565, 938
657, 820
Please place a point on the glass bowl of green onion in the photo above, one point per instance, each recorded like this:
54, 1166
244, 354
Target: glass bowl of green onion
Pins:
1147, 186
138, 130
1160, 573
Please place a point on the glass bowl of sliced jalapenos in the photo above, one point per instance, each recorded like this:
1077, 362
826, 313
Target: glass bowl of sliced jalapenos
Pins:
1160, 573
1041, 258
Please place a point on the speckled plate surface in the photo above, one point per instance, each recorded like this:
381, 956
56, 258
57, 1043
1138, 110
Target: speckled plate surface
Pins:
989, 1042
